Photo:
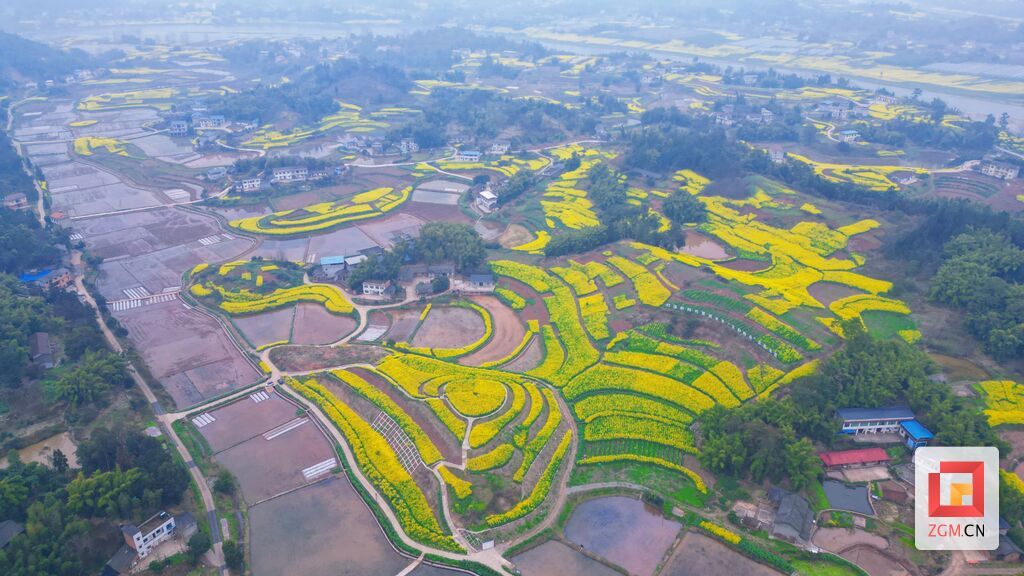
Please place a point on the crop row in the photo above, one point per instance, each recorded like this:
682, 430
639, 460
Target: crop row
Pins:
428, 451
381, 466
540, 489
534, 446
638, 427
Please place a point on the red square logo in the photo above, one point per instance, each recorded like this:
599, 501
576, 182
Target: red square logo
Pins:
957, 498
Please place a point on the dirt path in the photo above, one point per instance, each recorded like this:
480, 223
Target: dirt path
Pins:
163, 419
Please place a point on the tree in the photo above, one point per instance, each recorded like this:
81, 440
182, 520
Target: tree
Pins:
234, 556
439, 284
225, 483
459, 244
684, 208
59, 461
198, 544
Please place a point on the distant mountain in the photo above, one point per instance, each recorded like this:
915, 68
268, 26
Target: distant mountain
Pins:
23, 60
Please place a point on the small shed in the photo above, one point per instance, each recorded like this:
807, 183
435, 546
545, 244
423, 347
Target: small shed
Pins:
894, 492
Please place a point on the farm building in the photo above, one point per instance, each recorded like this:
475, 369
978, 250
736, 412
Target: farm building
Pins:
290, 174
1007, 550
873, 420
251, 184
146, 536
793, 519
840, 459
500, 147
915, 434
408, 146
40, 350
9, 529
331, 266
486, 200
59, 278
376, 287
16, 201
467, 156
849, 136
1000, 170
179, 128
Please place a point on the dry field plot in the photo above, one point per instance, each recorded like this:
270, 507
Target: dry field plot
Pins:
313, 324
449, 327
320, 530
144, 232
839, 539
292, 250
384, 230
246, 419
267, 327
188, 352
508, 333
279, 459
623, 531
346, 241
101, 199
553, 557
700, 555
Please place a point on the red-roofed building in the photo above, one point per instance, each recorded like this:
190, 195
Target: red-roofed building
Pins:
854, 458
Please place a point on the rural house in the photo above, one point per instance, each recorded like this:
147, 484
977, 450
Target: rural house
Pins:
40, 350
500, 147
794, 519
290, 174
861, 457
486, 201
16, 201
251, 184
178, 128
467, 156
376, 287
1000, 170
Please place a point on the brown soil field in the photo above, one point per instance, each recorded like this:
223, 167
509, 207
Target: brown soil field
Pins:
245, 419
528, 359
535, 311
829, 292
296, 201
434, 212
383, 230
959, 369
321, 530
839, 539
514, 235
293, 249
622, 530
449, 327
315, 325
403, 322
553, 557
266, 328
699, 555
265, 468
143, 232
746, 265
874, 562
187, 351
307, 358
508, 332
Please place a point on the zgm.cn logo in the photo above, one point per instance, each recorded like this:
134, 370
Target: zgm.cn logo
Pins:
957, 498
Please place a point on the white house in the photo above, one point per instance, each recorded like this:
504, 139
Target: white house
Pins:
145, 537
500, 147
486, 200
1000, 170
251, 184
408, 146
849, 136
468, 156
375, 287
290, 174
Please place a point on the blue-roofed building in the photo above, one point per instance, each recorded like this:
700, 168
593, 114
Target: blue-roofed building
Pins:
331, 266
915, 434
874, 420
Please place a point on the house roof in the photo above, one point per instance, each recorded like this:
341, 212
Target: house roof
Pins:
889, 413
8, 530
858, 456
916, 430
481, 278
795, 512
332, 260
